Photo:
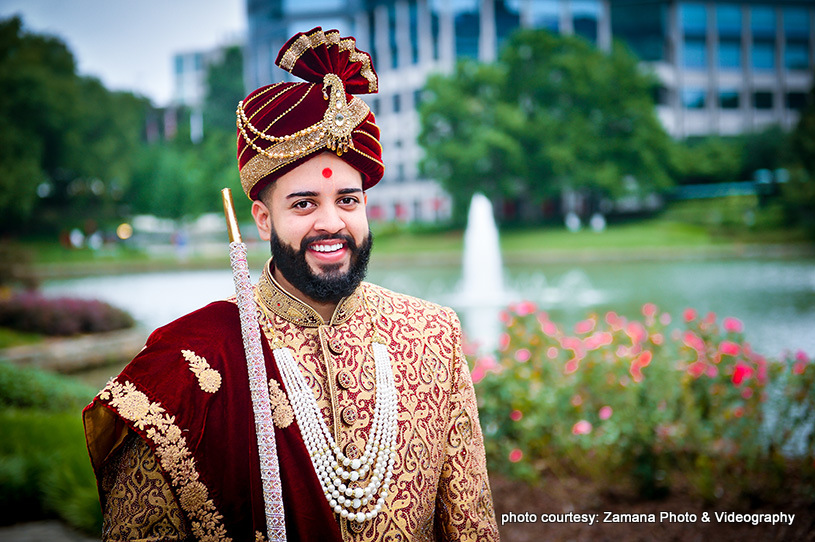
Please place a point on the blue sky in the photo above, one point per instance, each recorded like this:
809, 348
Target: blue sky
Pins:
130, 44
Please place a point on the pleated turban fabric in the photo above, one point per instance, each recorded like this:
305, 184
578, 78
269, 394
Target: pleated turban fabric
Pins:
281, 126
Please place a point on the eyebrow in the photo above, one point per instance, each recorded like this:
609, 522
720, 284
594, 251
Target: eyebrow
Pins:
312, 194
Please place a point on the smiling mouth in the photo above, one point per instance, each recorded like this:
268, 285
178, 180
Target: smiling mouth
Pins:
327, 248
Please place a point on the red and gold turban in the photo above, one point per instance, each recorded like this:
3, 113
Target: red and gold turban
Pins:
281, 126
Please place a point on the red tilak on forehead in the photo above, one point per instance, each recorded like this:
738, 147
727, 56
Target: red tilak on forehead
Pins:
327, 172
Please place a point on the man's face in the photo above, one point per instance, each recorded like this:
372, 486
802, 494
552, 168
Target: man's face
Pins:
315, 218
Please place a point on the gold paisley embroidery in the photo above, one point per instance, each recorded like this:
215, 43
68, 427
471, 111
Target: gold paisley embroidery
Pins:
282, 413
208, 378
259, 537
174, 456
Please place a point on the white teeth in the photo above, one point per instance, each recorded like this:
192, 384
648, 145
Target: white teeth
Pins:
326, 248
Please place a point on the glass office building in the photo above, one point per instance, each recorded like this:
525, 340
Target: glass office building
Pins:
725, 67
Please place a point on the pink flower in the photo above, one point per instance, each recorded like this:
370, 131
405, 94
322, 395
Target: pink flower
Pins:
649, 309
657, 338
551, 352
571, 343
689, 315
601, 338
696, 369
581, 428
522, 355
732, 325
644, 359
585, 326
801, 356
614, 321
738, 412
636, 331
729, 348
504, 317
571, 366
516, 455
694, 341
746, 393
741, 373
605, 412
478, 374
577, 400
503, 341
799, 367
516, 415
664, 318
549, 328
525, 308
636, 371
710, 317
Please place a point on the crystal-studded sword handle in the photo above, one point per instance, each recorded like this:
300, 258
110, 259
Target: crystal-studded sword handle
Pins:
258, 387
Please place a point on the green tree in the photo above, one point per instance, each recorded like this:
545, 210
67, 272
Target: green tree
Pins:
554, 113
66, 142
224, 91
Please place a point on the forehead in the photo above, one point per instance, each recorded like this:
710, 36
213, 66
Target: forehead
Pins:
322, 174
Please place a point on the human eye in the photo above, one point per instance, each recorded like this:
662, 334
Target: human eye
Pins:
302, 205
349, 201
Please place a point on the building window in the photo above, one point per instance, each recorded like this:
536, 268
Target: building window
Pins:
763, 100
730, 54
693, 17
763, 53
392, 34
397, 103
728, 21
729, 99
796, 56
796, 23
414, 32
693, 98
796, 101
546, 14
643, 27
586, 14
661, 95
179, 64
762, 22
796, 38
695, 53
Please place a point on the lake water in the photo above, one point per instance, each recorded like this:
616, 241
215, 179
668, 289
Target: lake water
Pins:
774, 298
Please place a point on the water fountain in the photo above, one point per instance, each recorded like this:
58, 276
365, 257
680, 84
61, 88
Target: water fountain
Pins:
482, 290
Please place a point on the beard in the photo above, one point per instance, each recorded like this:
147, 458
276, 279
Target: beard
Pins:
332, 284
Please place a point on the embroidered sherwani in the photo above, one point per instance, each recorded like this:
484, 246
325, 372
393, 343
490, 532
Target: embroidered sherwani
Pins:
163, 444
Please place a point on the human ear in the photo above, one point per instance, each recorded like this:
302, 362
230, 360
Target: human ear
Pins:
263, 219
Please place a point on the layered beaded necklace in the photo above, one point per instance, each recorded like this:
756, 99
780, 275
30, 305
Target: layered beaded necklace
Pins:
340, 476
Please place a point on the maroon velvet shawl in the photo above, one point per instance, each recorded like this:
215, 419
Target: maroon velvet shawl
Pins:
218, 428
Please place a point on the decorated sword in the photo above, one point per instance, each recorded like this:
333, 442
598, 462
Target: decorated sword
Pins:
258, 381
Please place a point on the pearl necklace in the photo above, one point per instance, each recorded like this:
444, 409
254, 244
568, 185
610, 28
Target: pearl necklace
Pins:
338, 474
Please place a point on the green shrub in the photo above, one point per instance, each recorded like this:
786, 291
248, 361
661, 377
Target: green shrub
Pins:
636, 404
33, 388
45, 471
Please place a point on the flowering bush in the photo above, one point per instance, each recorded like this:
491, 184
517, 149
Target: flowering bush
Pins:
632, 400
32, 312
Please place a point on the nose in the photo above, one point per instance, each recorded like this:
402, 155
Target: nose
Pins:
329, 220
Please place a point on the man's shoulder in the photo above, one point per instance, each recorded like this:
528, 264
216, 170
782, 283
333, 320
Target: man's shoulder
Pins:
218, 319
398, 302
